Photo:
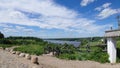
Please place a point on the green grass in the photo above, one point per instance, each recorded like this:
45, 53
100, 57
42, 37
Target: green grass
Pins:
6, 45
95, 43
31, 49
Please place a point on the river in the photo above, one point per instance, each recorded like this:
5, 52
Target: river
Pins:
75, 43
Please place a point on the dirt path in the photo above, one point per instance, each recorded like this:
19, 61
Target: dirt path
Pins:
8, 60
58, 63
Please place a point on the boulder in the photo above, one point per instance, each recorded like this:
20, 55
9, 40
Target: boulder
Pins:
34, 60
7, 49
13, 52
27, 56
34, 67
22, 54
17, 53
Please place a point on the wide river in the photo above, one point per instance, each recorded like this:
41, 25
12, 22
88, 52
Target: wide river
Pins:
75, 43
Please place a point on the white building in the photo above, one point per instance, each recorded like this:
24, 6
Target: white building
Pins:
111, 44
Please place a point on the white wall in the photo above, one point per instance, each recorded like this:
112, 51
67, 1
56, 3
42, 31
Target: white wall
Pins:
111, 49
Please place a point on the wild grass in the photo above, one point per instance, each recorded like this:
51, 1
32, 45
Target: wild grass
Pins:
31, 49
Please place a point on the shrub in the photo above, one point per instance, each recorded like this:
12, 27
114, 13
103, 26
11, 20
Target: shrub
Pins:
5, 41
96, 55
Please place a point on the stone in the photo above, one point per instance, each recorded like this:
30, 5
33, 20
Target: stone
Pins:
34, 60
13, 52
17, 53
27, 56
34, 67
22, 55
7, 49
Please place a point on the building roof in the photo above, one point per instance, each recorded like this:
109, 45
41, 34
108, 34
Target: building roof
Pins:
112, 33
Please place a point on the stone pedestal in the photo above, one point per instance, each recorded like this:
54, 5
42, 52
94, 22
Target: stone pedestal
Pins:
111, 49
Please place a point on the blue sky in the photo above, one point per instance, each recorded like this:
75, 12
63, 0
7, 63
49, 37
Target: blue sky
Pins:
58, 18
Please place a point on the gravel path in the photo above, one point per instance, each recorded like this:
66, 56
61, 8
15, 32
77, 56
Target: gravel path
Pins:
8, 60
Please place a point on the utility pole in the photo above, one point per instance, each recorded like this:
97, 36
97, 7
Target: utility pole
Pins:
118, 18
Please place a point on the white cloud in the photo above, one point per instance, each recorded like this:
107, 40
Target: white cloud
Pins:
9, 30
106, 11
19, 27
4, 25
86, 2
17, 30
52, 16
106, 5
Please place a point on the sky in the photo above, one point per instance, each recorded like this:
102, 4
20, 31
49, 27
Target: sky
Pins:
58, 18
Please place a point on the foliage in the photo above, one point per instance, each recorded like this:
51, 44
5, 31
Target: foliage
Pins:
1, 35
5, 41
84, 42
97, 55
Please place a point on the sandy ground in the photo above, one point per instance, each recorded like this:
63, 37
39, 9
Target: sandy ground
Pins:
8, 60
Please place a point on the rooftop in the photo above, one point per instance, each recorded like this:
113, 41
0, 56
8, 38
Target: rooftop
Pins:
112, 33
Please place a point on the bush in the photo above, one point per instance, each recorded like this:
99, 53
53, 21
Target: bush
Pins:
5, 41
99, 57
96, 55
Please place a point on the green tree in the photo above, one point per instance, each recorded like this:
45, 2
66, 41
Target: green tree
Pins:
1, 35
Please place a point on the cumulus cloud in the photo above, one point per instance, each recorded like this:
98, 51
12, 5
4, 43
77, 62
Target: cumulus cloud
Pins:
106, 11
45, 14
86, 2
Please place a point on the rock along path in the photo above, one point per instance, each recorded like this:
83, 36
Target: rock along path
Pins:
8, 60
